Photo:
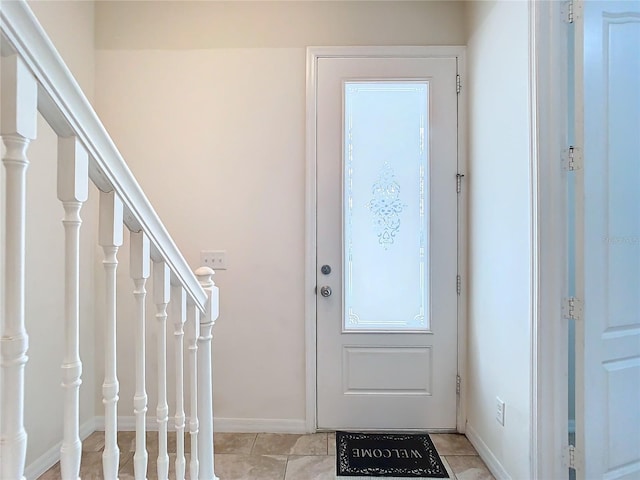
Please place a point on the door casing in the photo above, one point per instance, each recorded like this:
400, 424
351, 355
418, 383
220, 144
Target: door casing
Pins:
548, 107
313, 54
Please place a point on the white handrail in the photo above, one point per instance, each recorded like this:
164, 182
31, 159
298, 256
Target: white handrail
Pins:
65, 107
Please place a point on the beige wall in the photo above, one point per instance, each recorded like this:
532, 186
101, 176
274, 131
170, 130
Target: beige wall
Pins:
499, 231
185, 25
70, 25
45, 248
206, 101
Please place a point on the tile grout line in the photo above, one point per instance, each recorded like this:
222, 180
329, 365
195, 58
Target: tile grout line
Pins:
253, 444
449, 470
286, 466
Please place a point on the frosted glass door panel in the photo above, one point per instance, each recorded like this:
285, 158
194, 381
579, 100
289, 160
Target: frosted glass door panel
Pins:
385, 218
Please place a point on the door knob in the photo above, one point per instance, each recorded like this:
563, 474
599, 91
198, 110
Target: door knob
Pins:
325, 291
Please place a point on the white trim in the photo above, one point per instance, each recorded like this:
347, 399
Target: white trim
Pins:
52, 456
535, 241
487, 456
463, 247
258, 425
313, 54
128, 423
310, 245
549, 333
66, 109
231, 425
580, 359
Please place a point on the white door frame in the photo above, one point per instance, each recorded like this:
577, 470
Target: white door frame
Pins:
313, 54
548, 76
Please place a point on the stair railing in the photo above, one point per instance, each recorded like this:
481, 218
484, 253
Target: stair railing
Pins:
34, 78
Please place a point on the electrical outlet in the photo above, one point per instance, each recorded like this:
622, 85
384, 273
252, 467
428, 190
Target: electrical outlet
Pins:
215, 259
500, 411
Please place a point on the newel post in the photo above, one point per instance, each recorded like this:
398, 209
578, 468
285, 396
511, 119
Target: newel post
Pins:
19, 109
205, 377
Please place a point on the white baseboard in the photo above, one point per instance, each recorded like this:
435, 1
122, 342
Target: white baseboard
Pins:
226, 425
128, 424
486, 454
52, 456
257, 425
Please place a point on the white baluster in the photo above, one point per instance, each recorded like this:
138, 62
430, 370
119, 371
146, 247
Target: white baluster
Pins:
205, 377
193, 331
140, 269
110, 238
161, 292
19, 108
179, 314
73, 191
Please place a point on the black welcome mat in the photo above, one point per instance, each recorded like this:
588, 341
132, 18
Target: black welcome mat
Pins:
387, 455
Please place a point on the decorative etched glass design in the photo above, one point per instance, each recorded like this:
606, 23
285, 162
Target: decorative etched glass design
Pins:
385, 226
386, 206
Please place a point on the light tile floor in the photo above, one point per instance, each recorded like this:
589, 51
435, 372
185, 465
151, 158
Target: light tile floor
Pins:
268, 456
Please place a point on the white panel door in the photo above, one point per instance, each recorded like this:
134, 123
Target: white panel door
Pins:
386, 152
608, 235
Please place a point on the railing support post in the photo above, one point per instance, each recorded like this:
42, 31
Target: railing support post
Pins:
140, 270
19, 107
161, 297
110, 238
179, 314
193, 332
205, 377
73, 191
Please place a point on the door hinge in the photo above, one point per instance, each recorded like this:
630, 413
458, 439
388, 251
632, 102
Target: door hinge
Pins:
458, 284
458, 84
571, 457
572, 308
459, 177
572, 159
568, 12
458, 384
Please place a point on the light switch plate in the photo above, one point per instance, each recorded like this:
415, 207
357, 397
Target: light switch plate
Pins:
215, 259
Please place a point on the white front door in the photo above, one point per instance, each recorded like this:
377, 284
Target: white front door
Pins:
608, 236
386, 152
